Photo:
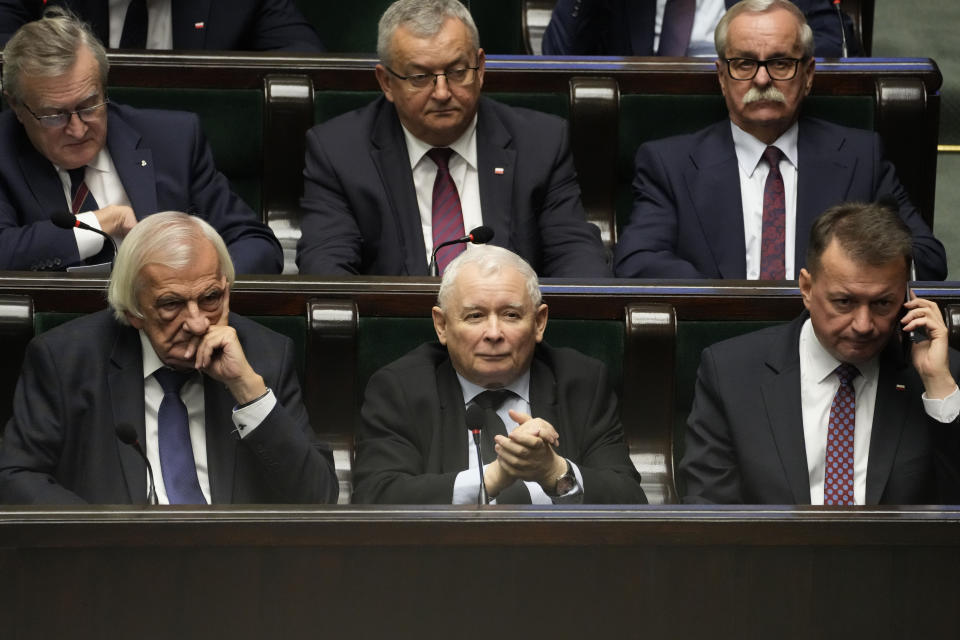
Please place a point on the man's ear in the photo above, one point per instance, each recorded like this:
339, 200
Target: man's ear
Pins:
805, 282
383, 77
439, 324
540, 320
135, 321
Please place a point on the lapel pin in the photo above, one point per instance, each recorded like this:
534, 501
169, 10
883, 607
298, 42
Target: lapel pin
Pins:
143, 163
901, 387
198, 25
498, 171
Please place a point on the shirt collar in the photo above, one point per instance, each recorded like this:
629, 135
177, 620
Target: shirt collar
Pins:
101, 162
520, 386
465, 146
151, 361
750, 150
822, 364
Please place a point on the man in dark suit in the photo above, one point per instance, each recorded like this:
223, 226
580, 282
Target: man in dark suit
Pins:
241, 25
737, 199
844, 405
61, 138
371, 174
629, 28
551, 430
212, 396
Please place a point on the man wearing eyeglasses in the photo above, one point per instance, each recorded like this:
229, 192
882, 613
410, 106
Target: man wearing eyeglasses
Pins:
65, 147
738, 199
431, 159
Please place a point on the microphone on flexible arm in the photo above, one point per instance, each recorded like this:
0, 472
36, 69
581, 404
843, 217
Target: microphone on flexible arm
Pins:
478, 235
475, 424
128, 435
66, 220
843, 30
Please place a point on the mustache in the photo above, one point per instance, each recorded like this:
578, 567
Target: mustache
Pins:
769, 94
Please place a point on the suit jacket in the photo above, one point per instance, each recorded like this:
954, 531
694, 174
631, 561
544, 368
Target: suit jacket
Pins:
626, 28
687, 219
360, 205
164, 163
243, 25
82, 379
412, 440
744, 442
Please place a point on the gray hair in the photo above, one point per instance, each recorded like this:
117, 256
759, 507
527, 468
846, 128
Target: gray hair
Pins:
489, 260
170, 239
424, 18
804, 32
48, 48
869, 234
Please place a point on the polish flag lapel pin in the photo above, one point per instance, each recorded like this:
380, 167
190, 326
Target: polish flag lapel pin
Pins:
198, 25
498, 171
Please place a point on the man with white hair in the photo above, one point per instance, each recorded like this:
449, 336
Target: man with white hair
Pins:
738, 199
551, 426
212, 397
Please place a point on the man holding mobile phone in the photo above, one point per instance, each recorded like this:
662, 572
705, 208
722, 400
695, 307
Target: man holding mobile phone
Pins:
213, 396
832, 409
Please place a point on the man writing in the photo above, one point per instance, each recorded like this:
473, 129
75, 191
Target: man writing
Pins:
737, 199
212, 396
551, 430
841, 406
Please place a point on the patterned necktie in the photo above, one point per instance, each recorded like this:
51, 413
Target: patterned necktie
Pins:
134, 35
173, 437
838, 472
677, 25
773, 234
491, 401
447, 216
80, 197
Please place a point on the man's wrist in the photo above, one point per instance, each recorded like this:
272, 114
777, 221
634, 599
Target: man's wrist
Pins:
246, 390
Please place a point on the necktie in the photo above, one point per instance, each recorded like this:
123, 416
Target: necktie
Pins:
838, 472
80, 197
447, 216
491, 401
134, 34
176, 452
677, 25
773, 234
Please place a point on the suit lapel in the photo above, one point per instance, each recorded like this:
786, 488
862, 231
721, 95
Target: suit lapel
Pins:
41, 177
189, 22
134, 165
221, 443
453, 429
125, 382
889, 420
713, 183
390, 157
823, 180
494, 152
543, 401
780, 389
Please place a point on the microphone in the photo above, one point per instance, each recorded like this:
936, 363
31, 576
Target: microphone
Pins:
843, 30
128, 435
475, 424
66, 220
479, 235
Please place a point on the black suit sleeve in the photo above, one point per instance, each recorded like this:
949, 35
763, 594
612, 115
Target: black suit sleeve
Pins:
281, 27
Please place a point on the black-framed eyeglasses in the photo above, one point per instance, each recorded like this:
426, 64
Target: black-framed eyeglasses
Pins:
57, 120
459, 76
777, 68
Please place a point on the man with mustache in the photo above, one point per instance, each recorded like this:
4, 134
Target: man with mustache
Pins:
737, 199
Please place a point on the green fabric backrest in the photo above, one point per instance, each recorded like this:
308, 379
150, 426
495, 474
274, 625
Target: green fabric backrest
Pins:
650, 117
46, 320
232, 121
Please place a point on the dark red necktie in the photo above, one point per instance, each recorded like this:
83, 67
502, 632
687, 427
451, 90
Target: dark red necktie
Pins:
447, 215
677, 25
838, 471
774, 232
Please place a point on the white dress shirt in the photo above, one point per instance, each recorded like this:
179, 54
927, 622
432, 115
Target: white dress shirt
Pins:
104, 184
753, 177
708, 14
466, 486
245, 419
818, 386
463, 170
159, 23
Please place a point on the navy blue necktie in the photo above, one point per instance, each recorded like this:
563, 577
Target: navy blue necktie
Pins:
173, 438
134, 35
81, 199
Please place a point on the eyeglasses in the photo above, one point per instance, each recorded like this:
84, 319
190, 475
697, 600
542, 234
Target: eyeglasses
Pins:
57, 120
460, 76
777, 68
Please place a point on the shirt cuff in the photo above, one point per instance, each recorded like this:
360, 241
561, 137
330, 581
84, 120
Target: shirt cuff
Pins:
574, 496
248, 417
943, 410
88, 243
